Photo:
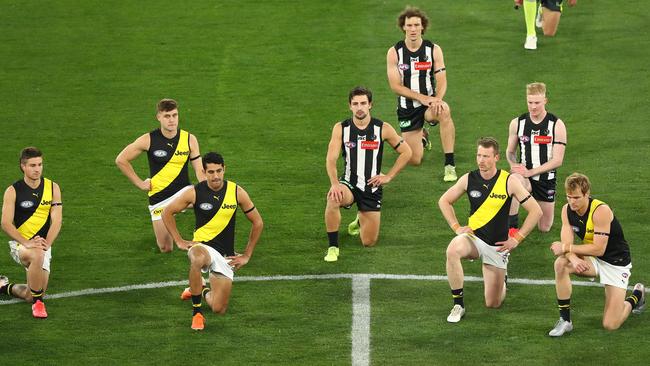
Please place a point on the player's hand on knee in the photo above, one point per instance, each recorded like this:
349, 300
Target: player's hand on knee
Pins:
336, 193
238, 261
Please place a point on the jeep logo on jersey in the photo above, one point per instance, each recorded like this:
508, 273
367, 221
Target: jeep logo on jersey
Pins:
543, 140
206, 206
228, 207
27, 204
498, 196
350, 144
370, 145
475, 194
403, 67
160, 153
423, 65
181, 153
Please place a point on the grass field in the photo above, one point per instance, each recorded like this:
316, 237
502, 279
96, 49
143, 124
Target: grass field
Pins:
263, 83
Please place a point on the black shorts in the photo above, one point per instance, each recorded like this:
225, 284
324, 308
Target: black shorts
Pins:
543, 190
366, 201
553, 5
412, 119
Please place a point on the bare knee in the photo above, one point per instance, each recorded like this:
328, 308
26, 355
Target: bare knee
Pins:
165, 249
493, 304
610, 324
545, 228
415, 160
369, 243
453, 251
219, 308
560, 265
550, 33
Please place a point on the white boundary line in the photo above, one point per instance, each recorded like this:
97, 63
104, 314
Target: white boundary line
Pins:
360, 320
378, 276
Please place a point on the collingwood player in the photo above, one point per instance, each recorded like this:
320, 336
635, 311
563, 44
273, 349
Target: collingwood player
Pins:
603, 253
541, 138
31, 216
212, 249
361, 139
416, 73
490, 191
168, 149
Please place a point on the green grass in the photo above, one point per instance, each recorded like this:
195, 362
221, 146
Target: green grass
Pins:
263, 83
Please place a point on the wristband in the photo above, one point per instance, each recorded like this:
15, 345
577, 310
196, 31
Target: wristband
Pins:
455, 226
518, 237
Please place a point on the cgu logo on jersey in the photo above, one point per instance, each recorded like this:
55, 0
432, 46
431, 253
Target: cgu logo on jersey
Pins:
228, 207
27, 204
160, 153
542, 140
181, 153
498, 196
475, 194
370, 145
425, 65
575, 229
206, 206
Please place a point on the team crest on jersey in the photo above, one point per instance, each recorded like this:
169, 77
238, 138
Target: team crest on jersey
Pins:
160, 153
524, 139
475, 194
206, 206
350, 144
27, 204
403, 67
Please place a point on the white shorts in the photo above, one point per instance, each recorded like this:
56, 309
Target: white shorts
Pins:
157, 209
218, 264
14, 250
609, 274
488, 253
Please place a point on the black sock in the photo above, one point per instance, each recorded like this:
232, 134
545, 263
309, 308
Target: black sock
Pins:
449, 159
205, 291
36, 295
565, 308
457, 295
6, 289
333, 238
513, 221
634, 298
196, 304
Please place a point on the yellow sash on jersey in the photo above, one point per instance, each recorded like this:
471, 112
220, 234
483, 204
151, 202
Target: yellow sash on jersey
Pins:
491, 206
589, 229
35, 222
173, 168
221, 219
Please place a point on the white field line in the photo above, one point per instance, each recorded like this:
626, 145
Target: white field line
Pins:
360, 320
106, 290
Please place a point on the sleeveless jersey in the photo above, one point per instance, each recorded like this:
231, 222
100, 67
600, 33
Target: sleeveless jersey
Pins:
489, 206
362, 153
168, 164
32, 209
416, 70
536, 143
617, 251
215, 216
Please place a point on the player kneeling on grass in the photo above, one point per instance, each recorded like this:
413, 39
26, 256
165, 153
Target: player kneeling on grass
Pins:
604, 253
212, 249
32, 217
490, 192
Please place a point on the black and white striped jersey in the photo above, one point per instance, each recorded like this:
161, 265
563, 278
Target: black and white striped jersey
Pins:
536, 142
416, 70
362, 153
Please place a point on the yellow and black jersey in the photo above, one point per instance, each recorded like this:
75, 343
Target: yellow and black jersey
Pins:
215, 216
617, 251
489, 206
168, 164
32, 209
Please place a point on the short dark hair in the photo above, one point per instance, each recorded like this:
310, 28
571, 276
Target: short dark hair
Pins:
166, 105
411, 12
28, 153
211, 158
489, 142
360, 90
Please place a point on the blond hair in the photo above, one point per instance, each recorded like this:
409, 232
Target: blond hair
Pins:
536, 89
577, 181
